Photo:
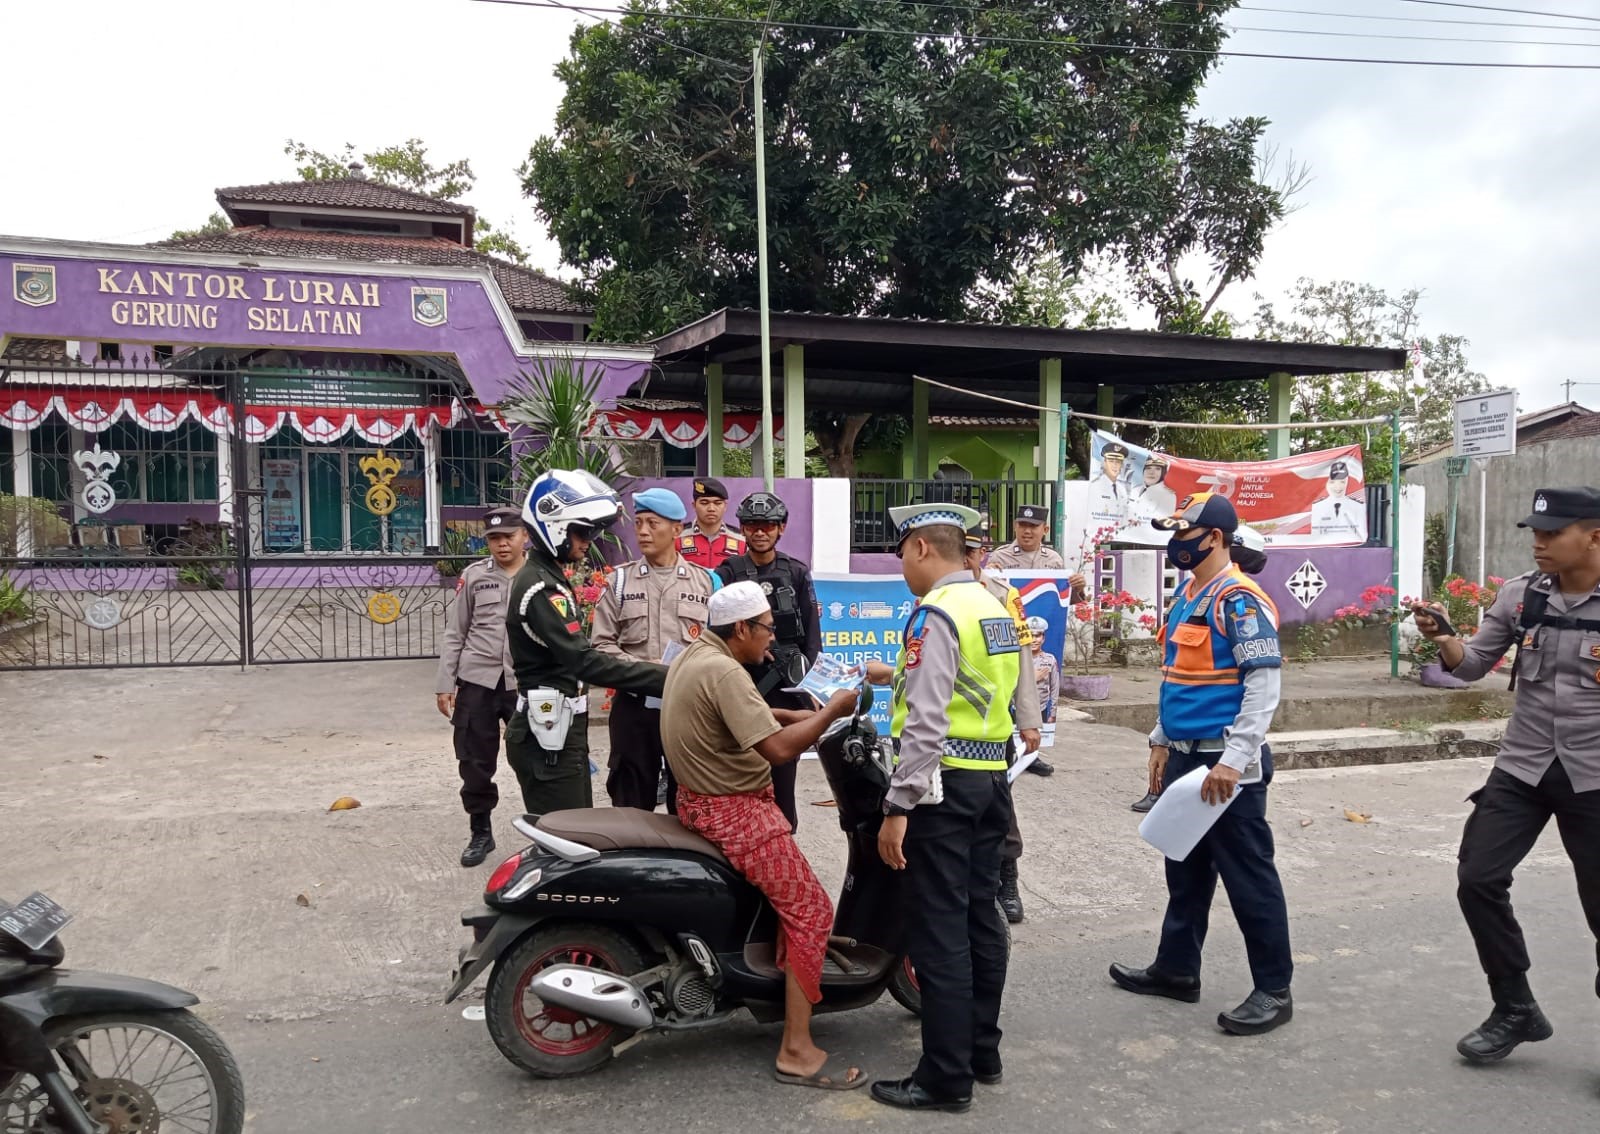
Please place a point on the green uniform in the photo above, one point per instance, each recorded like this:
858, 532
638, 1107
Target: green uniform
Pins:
549, 651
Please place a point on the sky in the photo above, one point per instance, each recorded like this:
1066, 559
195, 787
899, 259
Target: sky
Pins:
1480, 187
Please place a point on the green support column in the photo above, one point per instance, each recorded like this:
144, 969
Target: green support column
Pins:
919, 430
714, 441
1049, 467
794, 411
1279, 412
1105, 404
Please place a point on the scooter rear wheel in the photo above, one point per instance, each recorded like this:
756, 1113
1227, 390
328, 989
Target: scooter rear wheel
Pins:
542, 1039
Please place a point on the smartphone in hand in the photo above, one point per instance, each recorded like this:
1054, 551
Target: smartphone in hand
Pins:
1440, 619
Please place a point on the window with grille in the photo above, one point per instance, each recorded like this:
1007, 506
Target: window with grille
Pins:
474, 468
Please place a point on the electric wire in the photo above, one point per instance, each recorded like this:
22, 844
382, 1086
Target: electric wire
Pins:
745, 21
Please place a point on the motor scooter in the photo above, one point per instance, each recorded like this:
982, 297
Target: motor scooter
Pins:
96, 1053
618, 922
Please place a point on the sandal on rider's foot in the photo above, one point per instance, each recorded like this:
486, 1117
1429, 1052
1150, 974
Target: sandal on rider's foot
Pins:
833, 1075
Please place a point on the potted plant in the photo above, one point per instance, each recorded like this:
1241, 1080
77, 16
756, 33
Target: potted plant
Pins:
201, 557
1098, 628
457, 547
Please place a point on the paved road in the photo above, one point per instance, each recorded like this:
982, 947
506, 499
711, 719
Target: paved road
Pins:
182, 812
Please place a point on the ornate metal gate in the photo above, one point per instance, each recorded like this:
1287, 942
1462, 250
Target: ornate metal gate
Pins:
137, 527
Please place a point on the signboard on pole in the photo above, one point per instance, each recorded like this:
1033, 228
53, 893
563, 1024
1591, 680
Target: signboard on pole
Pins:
1486, 424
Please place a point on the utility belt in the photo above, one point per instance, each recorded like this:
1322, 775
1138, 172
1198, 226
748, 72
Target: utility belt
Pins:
1253, 771
549, 714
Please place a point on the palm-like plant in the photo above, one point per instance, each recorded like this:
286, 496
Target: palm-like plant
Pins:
552, 408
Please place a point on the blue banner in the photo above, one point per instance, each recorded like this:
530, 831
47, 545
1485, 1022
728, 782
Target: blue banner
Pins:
863, 617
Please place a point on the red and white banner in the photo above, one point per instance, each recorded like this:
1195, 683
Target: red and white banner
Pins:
1308, 500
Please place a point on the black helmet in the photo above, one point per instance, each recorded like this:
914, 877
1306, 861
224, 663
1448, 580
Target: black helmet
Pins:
759, 506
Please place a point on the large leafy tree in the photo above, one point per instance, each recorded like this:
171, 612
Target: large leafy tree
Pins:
917, 154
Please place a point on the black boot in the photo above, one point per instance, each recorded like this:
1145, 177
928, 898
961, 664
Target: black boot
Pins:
1516, 1019
1010, 897
1147, 802
1040, 768
482, 841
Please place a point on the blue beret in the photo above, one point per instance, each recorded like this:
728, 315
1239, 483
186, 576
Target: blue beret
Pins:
663, 502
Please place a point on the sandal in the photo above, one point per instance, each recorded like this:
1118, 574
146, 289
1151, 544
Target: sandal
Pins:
833, 1075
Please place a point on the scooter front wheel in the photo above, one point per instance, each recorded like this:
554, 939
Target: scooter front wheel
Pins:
903, 984
543, 1039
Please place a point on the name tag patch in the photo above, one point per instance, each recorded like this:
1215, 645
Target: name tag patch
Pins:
1000, 635
1256, 649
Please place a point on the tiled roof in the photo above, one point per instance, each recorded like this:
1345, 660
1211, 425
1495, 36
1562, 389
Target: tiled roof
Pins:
968, 421
525, 289
1578, 425
342, 193
36, 350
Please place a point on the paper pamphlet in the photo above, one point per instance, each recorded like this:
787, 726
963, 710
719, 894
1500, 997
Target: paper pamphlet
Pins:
827, 675
671, 650
1180, 818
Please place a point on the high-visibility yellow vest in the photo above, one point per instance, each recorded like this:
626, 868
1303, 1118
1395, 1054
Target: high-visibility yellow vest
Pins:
986, 674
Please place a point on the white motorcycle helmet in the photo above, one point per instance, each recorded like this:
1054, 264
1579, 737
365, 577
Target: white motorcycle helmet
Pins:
561, 498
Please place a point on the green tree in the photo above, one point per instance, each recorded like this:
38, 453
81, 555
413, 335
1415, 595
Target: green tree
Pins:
215, 223
912, 168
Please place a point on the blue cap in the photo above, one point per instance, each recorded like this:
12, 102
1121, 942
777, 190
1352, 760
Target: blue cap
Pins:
1202, 510
663, 502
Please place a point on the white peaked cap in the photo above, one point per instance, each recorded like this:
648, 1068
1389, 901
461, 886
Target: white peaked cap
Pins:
737, 602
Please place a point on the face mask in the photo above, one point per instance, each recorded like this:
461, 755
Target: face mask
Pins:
1185, 554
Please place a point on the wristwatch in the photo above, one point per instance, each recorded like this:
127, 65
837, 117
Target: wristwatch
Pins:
892, 809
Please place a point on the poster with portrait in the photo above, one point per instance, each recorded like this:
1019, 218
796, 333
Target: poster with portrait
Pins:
1308, 500
280, 479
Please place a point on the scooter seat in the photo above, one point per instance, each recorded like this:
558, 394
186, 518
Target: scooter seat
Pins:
626, 828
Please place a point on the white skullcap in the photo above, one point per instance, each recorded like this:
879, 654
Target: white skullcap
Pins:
737, 602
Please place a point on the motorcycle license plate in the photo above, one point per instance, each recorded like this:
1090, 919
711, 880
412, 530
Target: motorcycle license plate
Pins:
33, 921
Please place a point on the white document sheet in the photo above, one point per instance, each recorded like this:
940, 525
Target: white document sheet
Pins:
1180, 818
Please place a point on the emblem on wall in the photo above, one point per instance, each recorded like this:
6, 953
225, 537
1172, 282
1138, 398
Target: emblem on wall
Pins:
97, 496
430, 306
103, 613
381, 469
1306, 584
34, 284
383, 608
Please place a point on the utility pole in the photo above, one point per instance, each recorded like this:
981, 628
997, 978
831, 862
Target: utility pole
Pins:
767, 456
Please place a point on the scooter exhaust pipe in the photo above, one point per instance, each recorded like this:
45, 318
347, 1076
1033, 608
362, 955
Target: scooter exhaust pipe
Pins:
594, 992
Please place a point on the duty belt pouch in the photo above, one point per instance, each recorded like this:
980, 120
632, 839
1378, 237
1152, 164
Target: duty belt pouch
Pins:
549, 719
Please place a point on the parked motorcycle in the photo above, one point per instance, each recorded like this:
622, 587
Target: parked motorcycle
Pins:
617, 922
95, 1053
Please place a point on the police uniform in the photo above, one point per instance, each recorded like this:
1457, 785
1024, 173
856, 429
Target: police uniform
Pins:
710, 551
1548, 766
1222, 664
1109, 494
475, 666
547, 741
643, 610
787, 584
954, 681
1010, 557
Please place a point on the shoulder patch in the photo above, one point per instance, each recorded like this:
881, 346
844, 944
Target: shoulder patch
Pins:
562, 604
1000, 635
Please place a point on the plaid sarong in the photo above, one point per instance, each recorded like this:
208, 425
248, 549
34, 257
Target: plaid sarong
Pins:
750, 830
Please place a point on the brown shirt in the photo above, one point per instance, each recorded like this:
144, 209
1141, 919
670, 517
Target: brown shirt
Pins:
711, 720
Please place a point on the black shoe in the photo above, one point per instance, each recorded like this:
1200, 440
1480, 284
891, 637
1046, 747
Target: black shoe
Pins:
482, 842
906, 1094
989, 1077
1259, 1014
1154, 982
1010, 896
1040, 768
1147, 802
1507, 1026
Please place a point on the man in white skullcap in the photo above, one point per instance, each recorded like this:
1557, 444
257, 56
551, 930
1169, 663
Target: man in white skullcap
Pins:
722, 741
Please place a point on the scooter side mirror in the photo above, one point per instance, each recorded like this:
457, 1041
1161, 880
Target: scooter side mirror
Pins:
864, 699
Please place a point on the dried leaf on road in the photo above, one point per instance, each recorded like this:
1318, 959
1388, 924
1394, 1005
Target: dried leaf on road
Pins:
345, 803
1357, 817
302, 900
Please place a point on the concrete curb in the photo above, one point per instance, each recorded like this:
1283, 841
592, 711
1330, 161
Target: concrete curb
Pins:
1348, 747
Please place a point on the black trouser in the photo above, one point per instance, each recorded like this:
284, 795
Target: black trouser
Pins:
957, 933
634, 769
550, 781
784, 775
1239, 850
477, 718
1506, 821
